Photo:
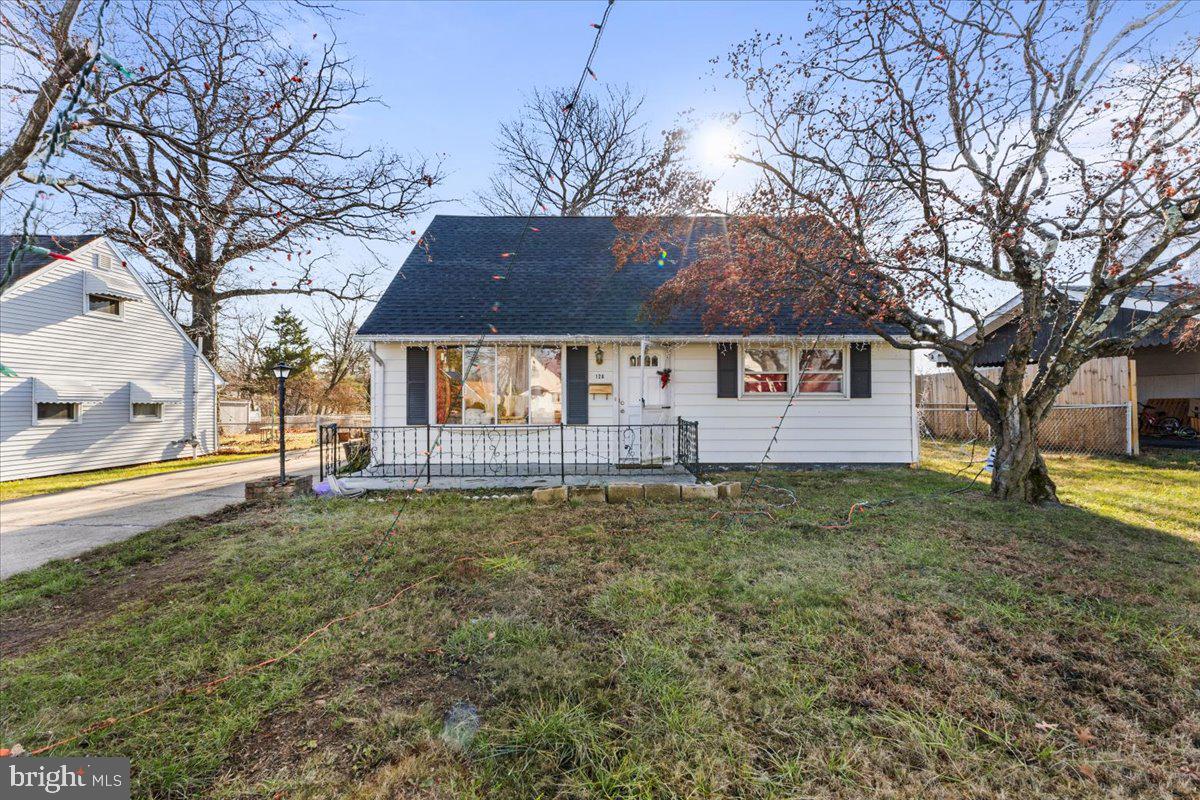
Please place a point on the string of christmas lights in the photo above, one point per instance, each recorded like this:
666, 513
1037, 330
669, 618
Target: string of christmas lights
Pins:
509, 257
59, 136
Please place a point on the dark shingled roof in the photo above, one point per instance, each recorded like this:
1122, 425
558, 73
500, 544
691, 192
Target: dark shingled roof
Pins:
995, 351
563, 282
27, 262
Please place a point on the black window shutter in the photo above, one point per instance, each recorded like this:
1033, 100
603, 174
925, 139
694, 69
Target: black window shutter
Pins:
727, 370
577, 385
860, 370
417, 373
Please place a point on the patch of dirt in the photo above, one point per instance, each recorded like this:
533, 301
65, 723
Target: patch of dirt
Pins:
1093, 700
334, 723
28, 628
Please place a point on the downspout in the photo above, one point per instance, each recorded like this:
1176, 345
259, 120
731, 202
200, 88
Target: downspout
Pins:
193, 438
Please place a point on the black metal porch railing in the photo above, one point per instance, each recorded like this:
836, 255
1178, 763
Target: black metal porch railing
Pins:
508, 451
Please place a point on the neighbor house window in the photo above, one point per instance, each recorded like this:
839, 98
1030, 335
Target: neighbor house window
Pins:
57, 412
765, 370
145, 412
99, 304
545, 402
821, 371
449, 385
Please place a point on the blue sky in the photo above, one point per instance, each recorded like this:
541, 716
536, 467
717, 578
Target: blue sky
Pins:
450, 73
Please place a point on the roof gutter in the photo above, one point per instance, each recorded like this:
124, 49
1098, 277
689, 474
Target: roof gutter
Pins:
634, 340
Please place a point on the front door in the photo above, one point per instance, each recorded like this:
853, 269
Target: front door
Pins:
640, 440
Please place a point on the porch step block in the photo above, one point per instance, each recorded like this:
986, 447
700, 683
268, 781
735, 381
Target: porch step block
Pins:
663, 492
588, 494
699, 491
625, 492
550, 494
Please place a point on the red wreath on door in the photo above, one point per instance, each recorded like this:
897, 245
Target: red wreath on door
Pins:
664, 377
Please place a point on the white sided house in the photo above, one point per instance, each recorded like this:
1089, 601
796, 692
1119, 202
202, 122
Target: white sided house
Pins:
573, 382
96, 372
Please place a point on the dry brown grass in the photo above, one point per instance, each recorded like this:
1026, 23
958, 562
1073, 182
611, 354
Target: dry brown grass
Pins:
942, 647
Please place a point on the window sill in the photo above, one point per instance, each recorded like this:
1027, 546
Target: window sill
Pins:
54, 423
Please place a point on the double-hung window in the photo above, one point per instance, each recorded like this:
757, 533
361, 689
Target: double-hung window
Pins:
821, 371
811, 372
765, 370
498, 385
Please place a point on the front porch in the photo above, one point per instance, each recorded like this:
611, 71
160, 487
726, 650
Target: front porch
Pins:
508, 456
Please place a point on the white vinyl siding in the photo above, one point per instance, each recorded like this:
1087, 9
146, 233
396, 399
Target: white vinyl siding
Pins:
45, 333
817, 430
830, 429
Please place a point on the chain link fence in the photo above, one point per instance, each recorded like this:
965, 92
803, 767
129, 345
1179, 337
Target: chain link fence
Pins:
1066, 429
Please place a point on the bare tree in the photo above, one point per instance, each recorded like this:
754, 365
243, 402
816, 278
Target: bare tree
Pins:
341, 355
231, 165
46, 59
579, 161
950, 154
244, 339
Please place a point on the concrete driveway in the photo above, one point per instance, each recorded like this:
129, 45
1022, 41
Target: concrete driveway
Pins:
34, 530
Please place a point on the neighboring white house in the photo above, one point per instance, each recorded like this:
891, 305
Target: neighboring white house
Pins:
96, 372
567, 346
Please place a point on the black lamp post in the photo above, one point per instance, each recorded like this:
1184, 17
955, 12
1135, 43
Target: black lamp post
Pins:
281, 371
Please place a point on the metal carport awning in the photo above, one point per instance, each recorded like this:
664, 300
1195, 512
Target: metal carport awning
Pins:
146, 392
65, 390
113, 286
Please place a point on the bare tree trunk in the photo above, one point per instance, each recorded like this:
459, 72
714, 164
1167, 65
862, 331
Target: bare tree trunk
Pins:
1019, 472
204, 322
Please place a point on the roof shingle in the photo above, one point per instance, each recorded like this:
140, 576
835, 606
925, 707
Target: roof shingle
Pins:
564, 282
29, 262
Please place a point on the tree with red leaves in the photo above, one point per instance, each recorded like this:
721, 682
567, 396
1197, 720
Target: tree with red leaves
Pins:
917, 161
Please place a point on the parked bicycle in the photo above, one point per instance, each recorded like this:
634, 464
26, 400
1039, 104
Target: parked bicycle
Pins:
1152, 422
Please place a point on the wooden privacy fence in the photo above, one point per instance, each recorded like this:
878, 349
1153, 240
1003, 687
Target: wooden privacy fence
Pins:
1094, 413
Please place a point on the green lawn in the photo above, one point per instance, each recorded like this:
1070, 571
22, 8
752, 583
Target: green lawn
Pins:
947, 645
12, 490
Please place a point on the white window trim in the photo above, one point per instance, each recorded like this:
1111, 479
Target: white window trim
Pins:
147, 420
794, 375
56, 423
87, 307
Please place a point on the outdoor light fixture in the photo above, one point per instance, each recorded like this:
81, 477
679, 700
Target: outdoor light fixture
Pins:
282, 371
599, 355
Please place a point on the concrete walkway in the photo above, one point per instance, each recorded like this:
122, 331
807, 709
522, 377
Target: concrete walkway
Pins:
34, 530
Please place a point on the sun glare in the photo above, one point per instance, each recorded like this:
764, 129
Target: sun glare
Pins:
716, 145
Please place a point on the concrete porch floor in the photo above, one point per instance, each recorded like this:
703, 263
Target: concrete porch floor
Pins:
474, 476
